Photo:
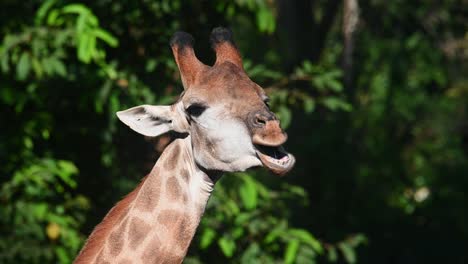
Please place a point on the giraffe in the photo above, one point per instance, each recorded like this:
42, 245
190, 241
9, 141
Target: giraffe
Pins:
223, 124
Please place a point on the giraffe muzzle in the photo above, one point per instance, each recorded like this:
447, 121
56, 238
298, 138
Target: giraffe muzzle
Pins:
276, 159
268, 140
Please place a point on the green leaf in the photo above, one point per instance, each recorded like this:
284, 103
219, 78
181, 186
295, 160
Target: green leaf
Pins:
53, 19
237, 232
42, 11
40, 211
23, 67
291, 251
106, 37
151, 65
207, 238
284, 115
335, 85
62, 255
65, 170
227, 246
265, 20
348, 252
275, 233
307, 238
76, 9
248, 193
336, 103
60, 68
309, 104
332, 255
242, 218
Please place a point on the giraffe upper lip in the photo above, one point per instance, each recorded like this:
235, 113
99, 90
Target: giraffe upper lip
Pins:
270, 139
275, 158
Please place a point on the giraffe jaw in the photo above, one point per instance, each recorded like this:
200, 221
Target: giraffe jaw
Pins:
276, 159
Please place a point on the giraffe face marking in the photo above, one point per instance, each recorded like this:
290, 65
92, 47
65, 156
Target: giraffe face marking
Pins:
138, 232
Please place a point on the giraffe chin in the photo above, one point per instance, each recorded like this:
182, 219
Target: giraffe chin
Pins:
276, 159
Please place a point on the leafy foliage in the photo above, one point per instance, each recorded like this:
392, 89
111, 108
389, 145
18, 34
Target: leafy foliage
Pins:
39, 213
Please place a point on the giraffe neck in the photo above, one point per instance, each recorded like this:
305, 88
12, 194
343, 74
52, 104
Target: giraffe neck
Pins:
157, 221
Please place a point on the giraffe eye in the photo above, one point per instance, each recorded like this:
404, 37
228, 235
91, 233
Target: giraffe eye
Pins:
267, 102
196, 110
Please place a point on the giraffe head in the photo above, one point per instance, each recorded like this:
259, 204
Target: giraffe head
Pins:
225, 113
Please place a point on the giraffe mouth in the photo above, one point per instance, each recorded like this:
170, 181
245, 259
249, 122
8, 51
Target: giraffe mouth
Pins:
276, 159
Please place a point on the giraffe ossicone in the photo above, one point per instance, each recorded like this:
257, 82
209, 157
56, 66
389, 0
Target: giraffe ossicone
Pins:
225, 125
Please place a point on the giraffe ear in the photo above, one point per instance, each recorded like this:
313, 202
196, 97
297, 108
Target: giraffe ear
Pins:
152, 121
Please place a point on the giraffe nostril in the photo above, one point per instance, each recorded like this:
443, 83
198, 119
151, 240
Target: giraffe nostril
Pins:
259, 120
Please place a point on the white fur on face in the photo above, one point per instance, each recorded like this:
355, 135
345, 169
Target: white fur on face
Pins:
222, 142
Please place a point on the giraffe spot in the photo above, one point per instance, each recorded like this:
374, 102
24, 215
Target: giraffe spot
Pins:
173, 188
171, 258
152, 252
185, 175
125, 261
148, 198
138, 231
116, 239
171, 160
168, 217
185, 232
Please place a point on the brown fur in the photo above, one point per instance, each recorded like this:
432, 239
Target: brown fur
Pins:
185, 232
150, 194
173, 189
125, 261
138, 230
167, 217
185, 175
116, 239
171, 161
101, 231
152, 253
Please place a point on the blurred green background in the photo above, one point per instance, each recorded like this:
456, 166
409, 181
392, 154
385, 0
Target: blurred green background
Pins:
373, 94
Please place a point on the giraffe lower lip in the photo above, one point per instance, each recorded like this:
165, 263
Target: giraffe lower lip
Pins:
275, 159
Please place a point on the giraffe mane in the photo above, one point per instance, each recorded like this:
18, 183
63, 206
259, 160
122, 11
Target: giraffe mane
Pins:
97, 238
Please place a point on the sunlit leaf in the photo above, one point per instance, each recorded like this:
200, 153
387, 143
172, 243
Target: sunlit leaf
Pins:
291, 251
207, 238
248, 193
23, 66
306, 237
284, 115
265, 20
227, 246
106, 37
42, 11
